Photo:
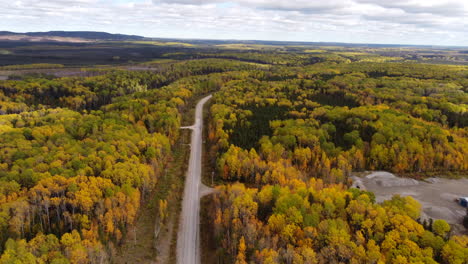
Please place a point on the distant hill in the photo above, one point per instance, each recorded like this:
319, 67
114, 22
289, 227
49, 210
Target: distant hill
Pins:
92, 36
68, 36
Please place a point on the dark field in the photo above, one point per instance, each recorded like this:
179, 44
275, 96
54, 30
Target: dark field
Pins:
80, 54
131, 52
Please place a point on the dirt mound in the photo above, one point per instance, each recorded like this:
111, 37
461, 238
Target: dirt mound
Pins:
387, 179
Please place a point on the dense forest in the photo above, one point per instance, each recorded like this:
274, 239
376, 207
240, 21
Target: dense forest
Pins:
79, 156
293, 135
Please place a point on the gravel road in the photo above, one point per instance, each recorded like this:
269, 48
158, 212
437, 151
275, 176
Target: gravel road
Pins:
188, 243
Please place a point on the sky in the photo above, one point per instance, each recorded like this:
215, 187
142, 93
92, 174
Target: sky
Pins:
421, 22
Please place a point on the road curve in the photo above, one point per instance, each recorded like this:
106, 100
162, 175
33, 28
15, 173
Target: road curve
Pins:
188, 243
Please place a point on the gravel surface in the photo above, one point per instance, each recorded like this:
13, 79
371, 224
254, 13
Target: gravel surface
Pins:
188, 239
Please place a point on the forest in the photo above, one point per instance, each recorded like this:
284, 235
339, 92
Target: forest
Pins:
80, 156
286, 141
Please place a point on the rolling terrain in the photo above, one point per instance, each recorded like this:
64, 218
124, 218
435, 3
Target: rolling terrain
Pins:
95, 168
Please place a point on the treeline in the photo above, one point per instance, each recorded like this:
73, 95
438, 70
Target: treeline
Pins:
32, 66
267, 57
90, 93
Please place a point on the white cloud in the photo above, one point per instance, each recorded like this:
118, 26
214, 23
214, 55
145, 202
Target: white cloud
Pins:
442, 22
438, 7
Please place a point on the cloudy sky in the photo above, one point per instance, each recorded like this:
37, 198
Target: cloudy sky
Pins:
433, 22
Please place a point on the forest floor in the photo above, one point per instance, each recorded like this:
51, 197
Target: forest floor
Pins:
145, 248
436, 195
209, 177
208, 244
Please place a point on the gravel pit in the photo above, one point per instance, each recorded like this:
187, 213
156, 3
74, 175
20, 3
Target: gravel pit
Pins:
436, 195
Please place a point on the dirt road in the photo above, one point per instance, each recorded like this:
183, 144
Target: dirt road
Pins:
188, 243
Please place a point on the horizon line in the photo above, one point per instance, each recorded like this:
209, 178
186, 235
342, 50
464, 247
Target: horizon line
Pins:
240, 40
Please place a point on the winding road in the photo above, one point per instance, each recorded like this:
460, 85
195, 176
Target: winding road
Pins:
188, 243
